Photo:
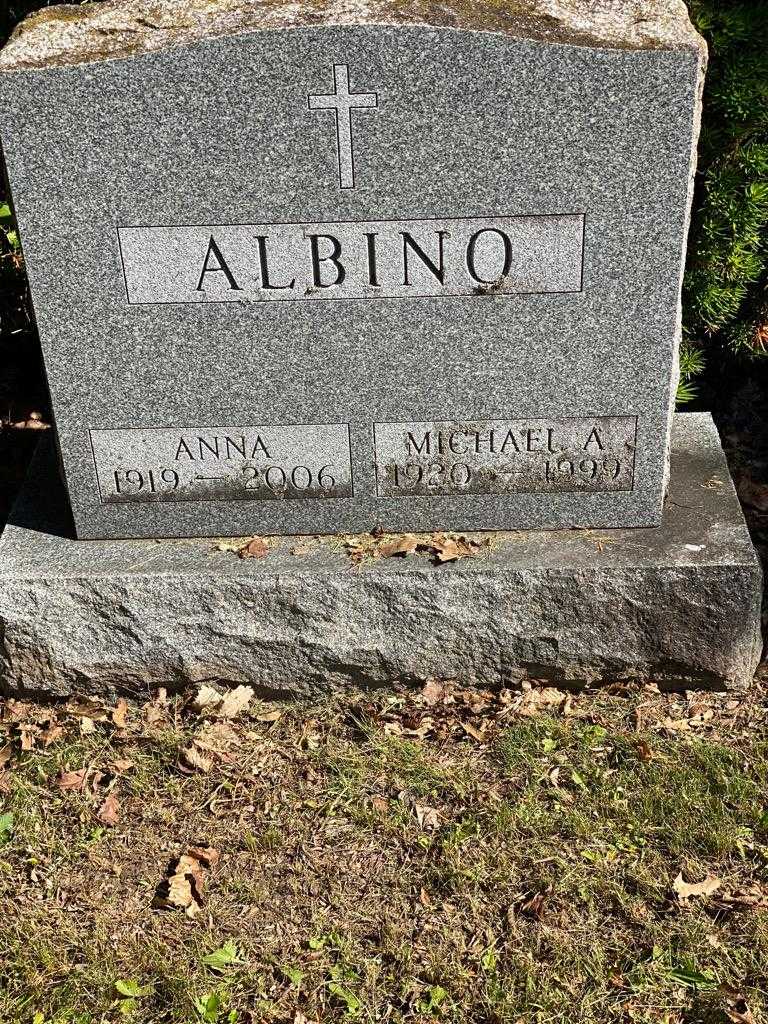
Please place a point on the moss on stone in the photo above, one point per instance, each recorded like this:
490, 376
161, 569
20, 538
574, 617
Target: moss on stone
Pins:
116, 29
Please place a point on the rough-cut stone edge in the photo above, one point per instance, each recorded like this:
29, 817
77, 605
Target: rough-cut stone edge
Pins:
692, 169
680, 604
115, 29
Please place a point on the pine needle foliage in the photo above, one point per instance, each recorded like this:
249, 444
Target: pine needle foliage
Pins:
726, 283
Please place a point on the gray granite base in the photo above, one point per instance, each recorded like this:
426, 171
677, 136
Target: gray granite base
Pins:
679, 604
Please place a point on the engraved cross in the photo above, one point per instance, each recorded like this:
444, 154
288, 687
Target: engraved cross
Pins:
343, 102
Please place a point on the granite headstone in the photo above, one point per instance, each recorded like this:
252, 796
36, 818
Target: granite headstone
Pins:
304, 267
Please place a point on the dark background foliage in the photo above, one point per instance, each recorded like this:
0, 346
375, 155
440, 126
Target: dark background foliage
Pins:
725, 300
726, 284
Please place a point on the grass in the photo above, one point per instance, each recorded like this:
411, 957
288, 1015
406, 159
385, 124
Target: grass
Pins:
457, 858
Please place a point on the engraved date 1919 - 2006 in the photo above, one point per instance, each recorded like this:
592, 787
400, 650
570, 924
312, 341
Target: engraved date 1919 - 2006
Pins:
505, 456
223, 463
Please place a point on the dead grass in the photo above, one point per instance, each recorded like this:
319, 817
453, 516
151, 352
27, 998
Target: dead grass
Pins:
435, 856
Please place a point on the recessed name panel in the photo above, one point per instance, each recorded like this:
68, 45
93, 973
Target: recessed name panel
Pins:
472, 256
230, 463
505, 456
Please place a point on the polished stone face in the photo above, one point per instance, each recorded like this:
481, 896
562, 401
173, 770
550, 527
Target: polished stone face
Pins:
410, 275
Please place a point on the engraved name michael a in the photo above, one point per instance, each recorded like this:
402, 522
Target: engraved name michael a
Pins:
505, 456
473, 256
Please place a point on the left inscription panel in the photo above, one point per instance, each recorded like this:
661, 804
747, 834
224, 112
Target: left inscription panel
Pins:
229, 463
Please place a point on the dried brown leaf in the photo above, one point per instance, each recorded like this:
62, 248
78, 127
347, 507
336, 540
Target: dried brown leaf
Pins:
192, 759
400, 544
207, 855
644, 751
684, 890
109, 812
87, 707
217, 737
181, 892
427, 817
272, 715
26, 739
432, 692
447, 548
51, 734
120, 714
71, 780
476, 734
184, 885
156, 710
207, 698
209, 701
235, 701
255, 548
534, 907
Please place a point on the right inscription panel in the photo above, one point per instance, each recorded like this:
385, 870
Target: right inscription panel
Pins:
505, 456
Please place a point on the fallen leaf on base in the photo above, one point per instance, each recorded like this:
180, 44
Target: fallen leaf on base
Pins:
538, 697
217, 737
207, 855
182, 888
684, 890
87, 707
403, 544
156, 710
205, 699
231, 543
255, 548
443, 547
448, 548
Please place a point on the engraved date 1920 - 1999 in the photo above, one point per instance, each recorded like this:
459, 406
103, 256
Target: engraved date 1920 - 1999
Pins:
223, 463
505, 456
